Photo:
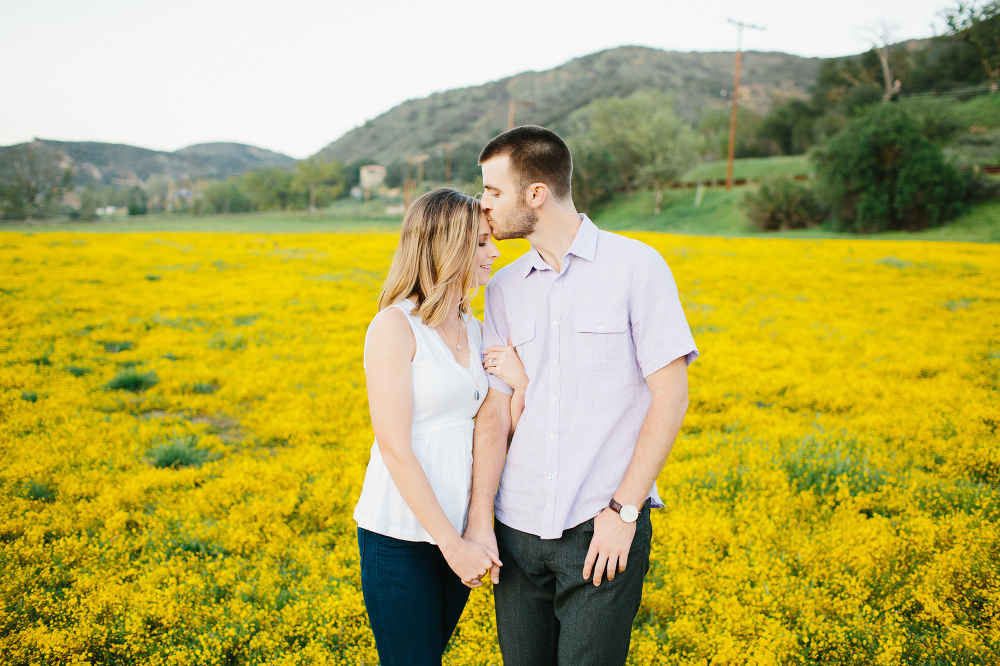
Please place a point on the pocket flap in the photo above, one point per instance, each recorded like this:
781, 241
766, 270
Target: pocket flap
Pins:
521, 333
600, 322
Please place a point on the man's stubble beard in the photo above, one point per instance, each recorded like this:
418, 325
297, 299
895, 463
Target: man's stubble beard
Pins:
522, 223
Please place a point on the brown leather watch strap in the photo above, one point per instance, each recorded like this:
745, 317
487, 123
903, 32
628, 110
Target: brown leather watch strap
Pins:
617, 508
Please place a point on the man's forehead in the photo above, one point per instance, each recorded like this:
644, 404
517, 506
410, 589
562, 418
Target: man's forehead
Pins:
496, 171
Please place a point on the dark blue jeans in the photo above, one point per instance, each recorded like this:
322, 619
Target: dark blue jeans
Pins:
413, 598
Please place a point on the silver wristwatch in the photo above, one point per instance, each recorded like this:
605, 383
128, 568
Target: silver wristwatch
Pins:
627, 512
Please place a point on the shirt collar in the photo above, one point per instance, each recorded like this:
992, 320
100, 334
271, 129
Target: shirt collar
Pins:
584, 246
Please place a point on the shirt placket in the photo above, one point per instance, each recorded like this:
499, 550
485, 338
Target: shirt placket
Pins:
552, 413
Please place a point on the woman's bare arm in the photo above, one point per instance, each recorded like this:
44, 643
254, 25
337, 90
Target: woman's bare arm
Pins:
388, 355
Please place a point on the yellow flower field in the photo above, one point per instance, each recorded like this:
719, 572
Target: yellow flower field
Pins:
184, 432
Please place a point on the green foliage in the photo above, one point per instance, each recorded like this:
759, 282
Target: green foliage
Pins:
137, 201
595, 176
32, 181
750, 141
820, 467
88, 205
978, 25
77, 371
114, 346
781, 204
880, 174
269, 189
36, 491
29, 396
131, 379
790, 126
320, 178
640, 138
225, 197
939, 117
179, 451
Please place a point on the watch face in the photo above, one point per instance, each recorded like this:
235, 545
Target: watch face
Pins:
629, 513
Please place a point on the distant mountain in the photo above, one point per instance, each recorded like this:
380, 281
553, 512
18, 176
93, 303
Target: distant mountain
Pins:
472, 116
95, 163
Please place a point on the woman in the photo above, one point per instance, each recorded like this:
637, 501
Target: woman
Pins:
426, 381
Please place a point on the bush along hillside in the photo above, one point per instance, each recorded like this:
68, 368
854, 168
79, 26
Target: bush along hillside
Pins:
881, 173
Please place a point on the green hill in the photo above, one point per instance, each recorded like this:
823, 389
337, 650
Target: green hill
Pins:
472, 116
119, 164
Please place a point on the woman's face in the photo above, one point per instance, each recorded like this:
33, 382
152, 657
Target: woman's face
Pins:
486, 252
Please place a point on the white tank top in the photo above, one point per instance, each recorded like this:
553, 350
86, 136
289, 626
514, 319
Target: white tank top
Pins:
444, 406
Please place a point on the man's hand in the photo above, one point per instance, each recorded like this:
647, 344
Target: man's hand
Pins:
487, 538
610, 546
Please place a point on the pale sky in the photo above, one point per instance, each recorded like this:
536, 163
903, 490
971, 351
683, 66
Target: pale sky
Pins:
292, 76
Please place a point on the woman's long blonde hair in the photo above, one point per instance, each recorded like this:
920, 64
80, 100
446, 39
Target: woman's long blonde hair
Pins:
436, 255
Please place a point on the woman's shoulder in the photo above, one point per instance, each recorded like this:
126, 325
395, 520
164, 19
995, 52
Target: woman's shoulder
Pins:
391, 325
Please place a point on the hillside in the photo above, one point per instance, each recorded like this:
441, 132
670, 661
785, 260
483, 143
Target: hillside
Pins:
124, 165
698, 81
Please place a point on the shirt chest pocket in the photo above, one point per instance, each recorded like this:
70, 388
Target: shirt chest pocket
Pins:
600, 340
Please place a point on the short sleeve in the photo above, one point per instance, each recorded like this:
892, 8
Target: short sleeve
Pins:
495, 330
660, 330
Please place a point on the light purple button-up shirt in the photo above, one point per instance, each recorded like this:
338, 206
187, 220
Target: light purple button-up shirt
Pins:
588, 337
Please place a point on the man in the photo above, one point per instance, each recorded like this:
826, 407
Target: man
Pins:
597, 322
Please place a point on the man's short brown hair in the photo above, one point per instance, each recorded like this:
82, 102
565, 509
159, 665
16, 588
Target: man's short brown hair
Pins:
537, 155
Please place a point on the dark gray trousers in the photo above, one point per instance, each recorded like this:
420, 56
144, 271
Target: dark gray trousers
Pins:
548, 615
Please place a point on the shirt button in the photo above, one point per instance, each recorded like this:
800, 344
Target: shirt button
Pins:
553, 398
552, 436
555, 322
551, 476
600, 328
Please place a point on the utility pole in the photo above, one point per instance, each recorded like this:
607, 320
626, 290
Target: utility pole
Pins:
406, 183
736, 97
447, 160
512, 108
419, 161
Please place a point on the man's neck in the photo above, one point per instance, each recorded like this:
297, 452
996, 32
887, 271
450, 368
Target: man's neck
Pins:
554, 234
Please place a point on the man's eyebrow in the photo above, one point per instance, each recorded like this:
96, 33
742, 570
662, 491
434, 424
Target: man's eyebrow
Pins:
490, 187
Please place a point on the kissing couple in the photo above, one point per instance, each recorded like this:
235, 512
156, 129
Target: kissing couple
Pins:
524, 448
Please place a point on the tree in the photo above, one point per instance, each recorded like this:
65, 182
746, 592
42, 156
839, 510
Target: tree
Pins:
31, 177
269, 188
317, 175
790, 126
979, 26
646, 142
137, 202
880, 173
595, 176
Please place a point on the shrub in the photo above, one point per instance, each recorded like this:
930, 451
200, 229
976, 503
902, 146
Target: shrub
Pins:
781, 204
36, 491
114, 347
29, 396
880, 173
132, 380
181, 451
77, 371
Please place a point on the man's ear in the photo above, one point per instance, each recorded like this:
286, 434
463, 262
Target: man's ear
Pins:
536, 194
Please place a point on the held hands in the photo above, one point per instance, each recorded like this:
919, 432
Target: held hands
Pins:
470, 561
609, 547
486, 538
504, 362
